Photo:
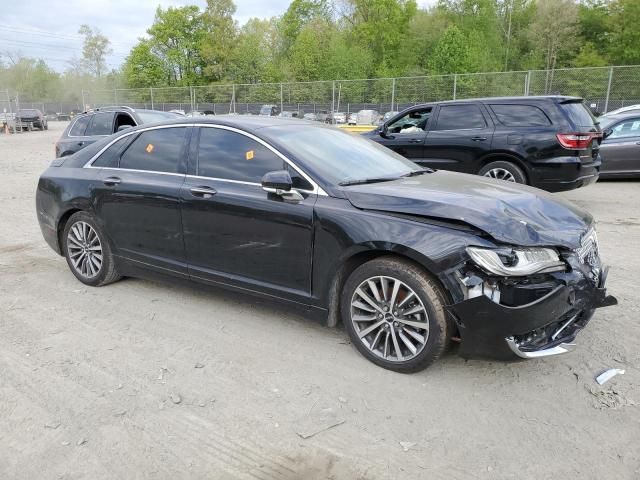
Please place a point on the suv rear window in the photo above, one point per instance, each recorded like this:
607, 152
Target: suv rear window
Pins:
520, 115
578, 114
102, 124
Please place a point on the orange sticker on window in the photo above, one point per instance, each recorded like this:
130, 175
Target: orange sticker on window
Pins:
249, 155
149, 148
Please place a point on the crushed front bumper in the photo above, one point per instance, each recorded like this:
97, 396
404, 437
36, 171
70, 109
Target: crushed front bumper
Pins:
544, 327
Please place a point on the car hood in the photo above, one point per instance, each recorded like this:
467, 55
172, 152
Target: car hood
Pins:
510, 213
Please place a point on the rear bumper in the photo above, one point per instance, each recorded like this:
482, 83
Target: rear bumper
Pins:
564, 173
545, 327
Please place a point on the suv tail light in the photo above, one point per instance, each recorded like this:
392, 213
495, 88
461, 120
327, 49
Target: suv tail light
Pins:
575, 141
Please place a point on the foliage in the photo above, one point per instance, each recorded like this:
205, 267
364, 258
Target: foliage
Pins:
95, 49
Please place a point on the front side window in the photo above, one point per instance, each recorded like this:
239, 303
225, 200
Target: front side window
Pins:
101, 124
232, 156
155, 150
460, 117
110, 157
80, 126
628, 128
413, 122
520, 116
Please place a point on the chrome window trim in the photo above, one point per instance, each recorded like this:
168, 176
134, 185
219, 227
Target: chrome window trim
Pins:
316, 188
140, 171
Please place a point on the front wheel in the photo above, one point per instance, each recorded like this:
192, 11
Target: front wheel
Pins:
503, 170
88, 252
394, 313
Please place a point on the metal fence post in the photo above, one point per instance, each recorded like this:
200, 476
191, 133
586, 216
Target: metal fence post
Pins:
333, 98
192, 99
606, 100
455, 86
393, 93
281, 97
527, 81
151, 94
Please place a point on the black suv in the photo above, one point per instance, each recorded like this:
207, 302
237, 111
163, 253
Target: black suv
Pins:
101, 122
550, 142
32, 116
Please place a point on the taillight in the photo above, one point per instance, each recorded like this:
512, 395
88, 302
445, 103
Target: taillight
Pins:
575, 141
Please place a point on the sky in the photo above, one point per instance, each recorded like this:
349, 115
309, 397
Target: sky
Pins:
48, 29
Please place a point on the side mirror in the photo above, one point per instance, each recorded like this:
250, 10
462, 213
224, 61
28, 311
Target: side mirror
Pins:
384, 131
280, 183
606, 133
123, 127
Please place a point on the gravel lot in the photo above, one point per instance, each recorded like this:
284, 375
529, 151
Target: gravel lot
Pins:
150, 380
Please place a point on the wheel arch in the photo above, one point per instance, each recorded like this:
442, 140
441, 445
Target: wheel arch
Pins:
502, 156
355, 259
62, 223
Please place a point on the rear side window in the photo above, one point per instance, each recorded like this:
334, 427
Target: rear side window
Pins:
628, 128
155, 150
109, 158
460, 117
101, 124
578, 114
233, 156
520, 116
80, 126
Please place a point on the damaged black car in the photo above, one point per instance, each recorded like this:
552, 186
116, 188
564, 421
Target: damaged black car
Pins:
406, 258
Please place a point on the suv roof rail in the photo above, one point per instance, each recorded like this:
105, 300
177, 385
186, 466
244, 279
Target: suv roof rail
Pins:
115, 107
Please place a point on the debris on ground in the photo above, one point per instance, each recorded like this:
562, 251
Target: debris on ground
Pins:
607, 375
610, 399
52, 425
82, 441
175, 398
407, 445
310, 425
199, 365
120, 413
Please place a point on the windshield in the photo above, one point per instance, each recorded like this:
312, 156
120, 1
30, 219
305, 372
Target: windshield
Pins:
340, 156
149, 117
265, 110
28, 112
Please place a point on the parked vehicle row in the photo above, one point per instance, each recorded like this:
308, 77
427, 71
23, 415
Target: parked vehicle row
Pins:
406, 257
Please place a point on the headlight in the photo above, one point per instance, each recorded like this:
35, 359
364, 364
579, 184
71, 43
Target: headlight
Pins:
516, 262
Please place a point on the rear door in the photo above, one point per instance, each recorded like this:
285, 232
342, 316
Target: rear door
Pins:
621, 150
139, 199
100, 125
460, 136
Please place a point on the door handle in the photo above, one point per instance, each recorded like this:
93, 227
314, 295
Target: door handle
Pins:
80, 144
637, 143
416, 140
111, 181
203, 192
478, 139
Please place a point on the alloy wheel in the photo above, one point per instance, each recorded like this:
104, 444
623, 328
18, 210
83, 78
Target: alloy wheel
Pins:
85, 249
389, 318
500, 174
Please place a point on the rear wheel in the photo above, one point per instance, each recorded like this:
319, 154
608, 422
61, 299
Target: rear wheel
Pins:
503, 170
88, 252
394, 314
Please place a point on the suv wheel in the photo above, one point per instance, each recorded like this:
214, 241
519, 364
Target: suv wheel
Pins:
394, 314
504, 171
88, 252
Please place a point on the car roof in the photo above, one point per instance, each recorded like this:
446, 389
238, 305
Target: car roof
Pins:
621, 116
529, 98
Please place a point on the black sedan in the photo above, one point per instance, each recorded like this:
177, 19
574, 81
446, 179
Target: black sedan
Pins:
621, 146
407, 258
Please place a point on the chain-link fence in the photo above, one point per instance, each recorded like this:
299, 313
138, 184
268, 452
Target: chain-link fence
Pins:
603, 88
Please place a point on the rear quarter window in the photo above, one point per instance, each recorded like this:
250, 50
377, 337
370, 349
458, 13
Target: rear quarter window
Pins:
578, 114
520, 115
80, 126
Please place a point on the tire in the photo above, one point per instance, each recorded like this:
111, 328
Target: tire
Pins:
428, 301
77, 228
503, 170
46, 126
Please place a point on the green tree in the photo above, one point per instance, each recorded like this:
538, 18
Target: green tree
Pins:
218, 45
452, 53
554, 31
624, 44
142, 68
299, 14
175, 38
95, 49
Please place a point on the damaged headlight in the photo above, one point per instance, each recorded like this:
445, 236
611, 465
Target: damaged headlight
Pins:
516, 262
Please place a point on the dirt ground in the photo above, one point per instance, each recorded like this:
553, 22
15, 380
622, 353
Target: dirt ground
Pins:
149, 380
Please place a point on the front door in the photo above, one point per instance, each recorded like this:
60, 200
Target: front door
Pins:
406, 135
460, 136
234, 231
139, 200
621, 150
